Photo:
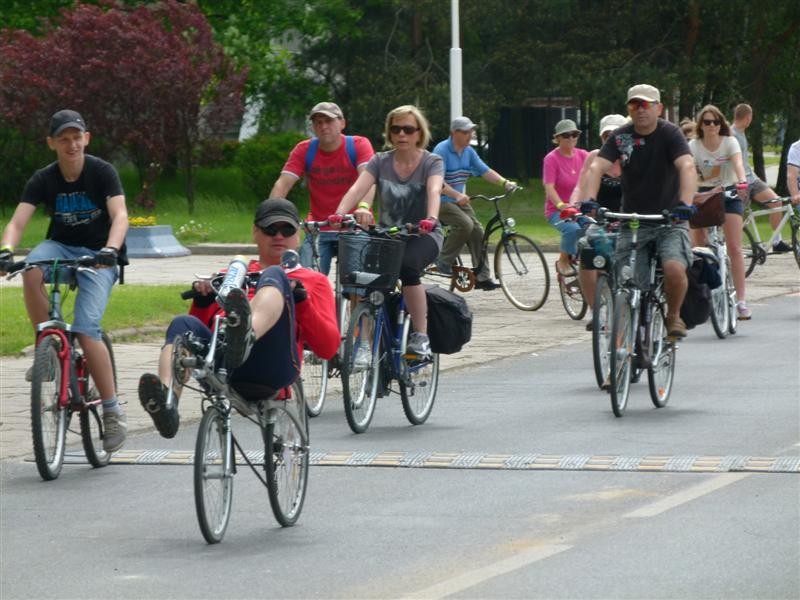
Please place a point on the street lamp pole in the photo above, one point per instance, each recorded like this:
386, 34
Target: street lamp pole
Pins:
456, 108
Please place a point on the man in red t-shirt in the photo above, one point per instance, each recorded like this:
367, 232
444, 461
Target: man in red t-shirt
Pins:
287, 309
335, 167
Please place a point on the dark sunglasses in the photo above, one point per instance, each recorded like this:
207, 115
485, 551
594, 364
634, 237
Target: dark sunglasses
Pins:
572, 134
407, 129
711, 122
636, 103
285, 229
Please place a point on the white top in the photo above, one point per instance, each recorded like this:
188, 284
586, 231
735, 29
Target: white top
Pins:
715, 168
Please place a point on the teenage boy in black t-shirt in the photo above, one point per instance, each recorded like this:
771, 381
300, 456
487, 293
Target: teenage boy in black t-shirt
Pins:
657, 174
84, 198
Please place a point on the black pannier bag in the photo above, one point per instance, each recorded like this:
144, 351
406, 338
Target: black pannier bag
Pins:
696, 307
449, 320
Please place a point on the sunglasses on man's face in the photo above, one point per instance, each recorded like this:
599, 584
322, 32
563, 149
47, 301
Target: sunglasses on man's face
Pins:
636, 103
285, 229
407, 129
710, 121
571, 134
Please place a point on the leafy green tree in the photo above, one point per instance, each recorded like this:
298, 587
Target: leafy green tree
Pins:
150, 80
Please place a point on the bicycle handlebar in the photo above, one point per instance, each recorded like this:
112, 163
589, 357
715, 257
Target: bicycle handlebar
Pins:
507, 194
84, 263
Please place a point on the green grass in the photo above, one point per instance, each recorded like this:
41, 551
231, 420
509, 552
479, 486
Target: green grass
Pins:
130, 306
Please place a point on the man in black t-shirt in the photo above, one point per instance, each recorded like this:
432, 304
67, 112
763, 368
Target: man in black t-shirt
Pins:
657, 174
84, 198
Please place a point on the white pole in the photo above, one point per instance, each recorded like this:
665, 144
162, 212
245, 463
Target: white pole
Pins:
456, 108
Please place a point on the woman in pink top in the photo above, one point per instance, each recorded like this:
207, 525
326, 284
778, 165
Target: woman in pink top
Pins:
560, 174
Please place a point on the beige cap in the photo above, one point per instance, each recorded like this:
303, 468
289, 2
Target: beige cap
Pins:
642, 91
612, 122
329, 109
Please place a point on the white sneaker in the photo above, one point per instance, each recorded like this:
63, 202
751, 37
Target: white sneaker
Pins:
419, 344
363, 358
743, 311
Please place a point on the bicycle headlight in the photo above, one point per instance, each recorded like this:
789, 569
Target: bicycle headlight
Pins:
599, 261
510, 222
376, 298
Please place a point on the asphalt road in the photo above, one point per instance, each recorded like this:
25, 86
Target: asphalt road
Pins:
700, 499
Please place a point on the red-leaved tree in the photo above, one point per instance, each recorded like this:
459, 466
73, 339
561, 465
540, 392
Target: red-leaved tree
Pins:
150, 81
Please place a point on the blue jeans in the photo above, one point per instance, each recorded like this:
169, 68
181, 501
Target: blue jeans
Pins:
327, 246
94, 289
570, 231
273, 361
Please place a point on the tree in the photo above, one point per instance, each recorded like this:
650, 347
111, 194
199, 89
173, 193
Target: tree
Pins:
153, 92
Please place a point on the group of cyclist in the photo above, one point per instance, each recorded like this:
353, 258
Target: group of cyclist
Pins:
644, 165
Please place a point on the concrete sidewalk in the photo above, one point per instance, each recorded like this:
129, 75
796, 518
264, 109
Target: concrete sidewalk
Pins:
499, 331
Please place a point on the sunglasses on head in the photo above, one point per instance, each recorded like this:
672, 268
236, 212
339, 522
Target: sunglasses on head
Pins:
407, 129
636, 103
285, 229
711, 122
571, 134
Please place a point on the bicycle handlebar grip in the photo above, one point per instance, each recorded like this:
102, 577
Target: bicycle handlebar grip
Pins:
190, 294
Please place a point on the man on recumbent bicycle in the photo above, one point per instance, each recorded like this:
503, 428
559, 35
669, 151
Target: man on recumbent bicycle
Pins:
273, 320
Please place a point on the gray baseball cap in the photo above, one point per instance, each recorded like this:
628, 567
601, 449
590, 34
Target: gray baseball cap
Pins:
329, 109
462, 124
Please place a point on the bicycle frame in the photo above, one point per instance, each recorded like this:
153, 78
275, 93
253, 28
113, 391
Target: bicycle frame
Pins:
752, 215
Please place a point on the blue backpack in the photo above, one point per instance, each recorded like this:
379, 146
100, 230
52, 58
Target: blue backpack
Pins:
349, 145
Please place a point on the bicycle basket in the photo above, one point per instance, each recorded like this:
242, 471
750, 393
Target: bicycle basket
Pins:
366, 261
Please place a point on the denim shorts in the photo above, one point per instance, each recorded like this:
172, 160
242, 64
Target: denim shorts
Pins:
670, 243
94, 289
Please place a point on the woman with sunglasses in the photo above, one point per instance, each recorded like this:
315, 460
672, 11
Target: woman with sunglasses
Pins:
560, 173
409, 181
718, 160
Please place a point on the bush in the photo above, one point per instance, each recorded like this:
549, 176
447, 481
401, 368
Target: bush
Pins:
214, 153
261, 158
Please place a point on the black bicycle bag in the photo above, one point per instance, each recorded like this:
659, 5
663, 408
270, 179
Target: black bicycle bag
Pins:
449, 320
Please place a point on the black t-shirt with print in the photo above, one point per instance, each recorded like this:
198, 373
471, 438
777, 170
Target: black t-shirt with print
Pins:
78, 211
650, 181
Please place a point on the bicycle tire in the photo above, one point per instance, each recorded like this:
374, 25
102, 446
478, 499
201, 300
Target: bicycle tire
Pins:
751, 252
620, 363
720, 310
419, 383
315, 380
286, 459
572, 296
213, 488
90, 416
731, 296
48, 418
661, 372
601, 330
521, 269
795, 225
360, 386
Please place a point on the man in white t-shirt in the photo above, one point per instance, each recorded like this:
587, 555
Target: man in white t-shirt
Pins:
759, 191
793, 172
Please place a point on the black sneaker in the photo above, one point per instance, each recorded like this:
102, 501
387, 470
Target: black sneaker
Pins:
487, 285
781, 248
153, 396
239, 336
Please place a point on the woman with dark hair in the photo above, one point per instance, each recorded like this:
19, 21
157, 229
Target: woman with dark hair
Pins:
718, 160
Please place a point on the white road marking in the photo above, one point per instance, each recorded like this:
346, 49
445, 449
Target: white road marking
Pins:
687, 495
467, 580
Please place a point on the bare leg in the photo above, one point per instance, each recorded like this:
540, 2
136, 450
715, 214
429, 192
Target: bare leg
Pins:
417, 304
733, 240
99, 362
36, 301
675, 286
266, 307
588, 281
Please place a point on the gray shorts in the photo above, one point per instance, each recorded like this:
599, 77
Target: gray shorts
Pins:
670, 243
757, 187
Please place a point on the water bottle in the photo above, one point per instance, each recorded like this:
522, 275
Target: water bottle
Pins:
234, 277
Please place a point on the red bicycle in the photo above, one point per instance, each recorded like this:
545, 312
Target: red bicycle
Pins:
61, 383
